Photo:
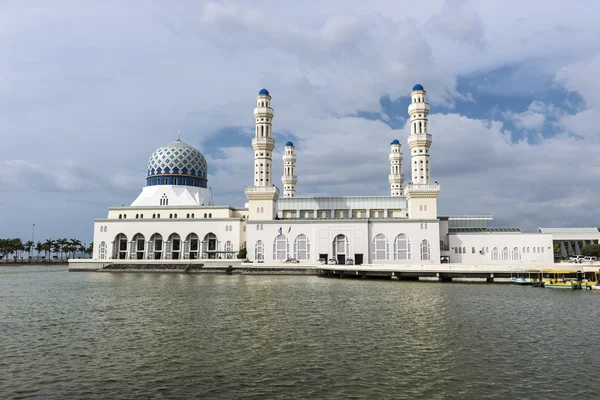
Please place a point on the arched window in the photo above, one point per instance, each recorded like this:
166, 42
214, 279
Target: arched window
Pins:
153, 216
280, 248
472, 250
170, 215
120, 216
505, 255
174, 247
188, 215
210, 246
421, 207
380, 247
259, 251
262, 210
301, 248
120, 247
229, 248
515, 254
204, 215
402, 247
425, 255
542, 249
102, 251
155, 247
157, 215
175, 215
425, 207
209, 215
191, 247
495, 254
341, 248
533, 250
528, 250
257, 210
192, 215
138, 247
464, 250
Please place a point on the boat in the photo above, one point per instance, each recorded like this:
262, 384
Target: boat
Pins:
524, 277
569, 279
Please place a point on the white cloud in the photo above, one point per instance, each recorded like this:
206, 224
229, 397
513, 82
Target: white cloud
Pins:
104, 84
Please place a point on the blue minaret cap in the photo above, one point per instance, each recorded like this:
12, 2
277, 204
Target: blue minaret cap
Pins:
395, 141
418, 86
289, 144
264, 91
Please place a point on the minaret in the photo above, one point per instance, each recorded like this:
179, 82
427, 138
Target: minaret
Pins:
396, 177
263, 142
262, 196
289, 177
419, 139
420, 193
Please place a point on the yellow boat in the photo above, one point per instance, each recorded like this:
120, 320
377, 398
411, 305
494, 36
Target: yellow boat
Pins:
569, 279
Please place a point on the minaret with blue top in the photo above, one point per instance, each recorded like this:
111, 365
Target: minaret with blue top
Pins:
289, 178
262, 196
420, 192
396, 178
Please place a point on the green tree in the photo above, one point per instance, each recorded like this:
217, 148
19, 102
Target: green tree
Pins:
90, 249
48, 247
556, 250
75, 245
39, 247
242, 253
29, 247
591, 250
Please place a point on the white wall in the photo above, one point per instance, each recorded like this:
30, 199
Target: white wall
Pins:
487, 241
359, 233
107, 230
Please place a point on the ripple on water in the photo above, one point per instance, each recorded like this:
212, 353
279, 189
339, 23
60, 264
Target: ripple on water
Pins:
289, 337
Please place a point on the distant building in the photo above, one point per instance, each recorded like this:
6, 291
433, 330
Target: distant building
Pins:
174, 216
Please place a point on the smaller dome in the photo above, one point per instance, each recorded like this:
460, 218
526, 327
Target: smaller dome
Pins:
395, 141
418, 86
289, 144
263, 91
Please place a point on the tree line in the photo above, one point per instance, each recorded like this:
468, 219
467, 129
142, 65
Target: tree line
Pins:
52, 249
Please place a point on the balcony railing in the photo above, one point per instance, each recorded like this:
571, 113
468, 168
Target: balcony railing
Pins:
262, 189
423, 186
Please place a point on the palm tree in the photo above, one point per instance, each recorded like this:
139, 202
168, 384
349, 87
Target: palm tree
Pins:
75, 245
29, 247
90, 249
18, 247
39, 247
48, 247
61, 244
83, 249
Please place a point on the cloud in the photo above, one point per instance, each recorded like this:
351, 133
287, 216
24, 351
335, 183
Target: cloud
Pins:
459, 22
88, 94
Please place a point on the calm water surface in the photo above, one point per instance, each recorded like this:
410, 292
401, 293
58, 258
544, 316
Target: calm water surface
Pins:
115, 335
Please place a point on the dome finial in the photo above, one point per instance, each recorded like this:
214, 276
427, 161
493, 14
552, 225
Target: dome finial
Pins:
179, 134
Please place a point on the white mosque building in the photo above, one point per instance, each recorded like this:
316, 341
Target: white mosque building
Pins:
174, 217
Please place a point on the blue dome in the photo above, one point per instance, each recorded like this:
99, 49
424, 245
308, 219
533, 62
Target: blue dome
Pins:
289, 144
395, 141
263, 91
418, 86
177, 163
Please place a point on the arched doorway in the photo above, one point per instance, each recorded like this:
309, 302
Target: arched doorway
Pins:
341, 248
138, 247
174, 247
192, 246
155, 247
210, 246
120, 247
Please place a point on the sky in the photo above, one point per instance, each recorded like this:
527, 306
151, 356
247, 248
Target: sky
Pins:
89, 89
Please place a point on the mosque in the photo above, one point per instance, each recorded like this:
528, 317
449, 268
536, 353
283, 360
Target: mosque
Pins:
174, 216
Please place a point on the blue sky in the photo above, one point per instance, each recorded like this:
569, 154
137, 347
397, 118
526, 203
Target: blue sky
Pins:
90, 89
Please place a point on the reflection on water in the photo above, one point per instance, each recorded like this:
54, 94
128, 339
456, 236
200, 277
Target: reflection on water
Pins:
108, 335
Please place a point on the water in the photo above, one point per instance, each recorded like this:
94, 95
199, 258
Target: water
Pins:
115, 335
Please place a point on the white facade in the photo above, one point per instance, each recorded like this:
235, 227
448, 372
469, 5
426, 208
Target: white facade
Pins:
174, 218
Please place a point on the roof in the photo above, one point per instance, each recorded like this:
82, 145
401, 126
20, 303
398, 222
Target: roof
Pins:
568, 230
395, 141
488, 230
289, 143
418, 86
264, 91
